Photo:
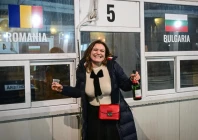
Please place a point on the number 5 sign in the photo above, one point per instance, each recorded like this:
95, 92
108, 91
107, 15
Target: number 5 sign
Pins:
110, 10
118, 13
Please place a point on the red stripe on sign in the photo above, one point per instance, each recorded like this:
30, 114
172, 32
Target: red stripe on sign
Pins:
37, 17
173, 29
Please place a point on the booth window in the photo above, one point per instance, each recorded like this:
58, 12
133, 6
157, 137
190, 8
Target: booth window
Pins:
42, 34
56, 26
188, 73
160, 74
12, 86
171, 28
42, 76
126, 46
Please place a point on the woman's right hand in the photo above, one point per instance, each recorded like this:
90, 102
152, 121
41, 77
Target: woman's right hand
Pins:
57, 87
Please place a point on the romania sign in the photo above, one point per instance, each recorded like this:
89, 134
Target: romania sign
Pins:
26, 37
25, 16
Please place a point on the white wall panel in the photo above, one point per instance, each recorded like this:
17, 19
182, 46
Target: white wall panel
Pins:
41, 129
65, 128
188, 120
157, 122
38, 129
15, 131
126, 13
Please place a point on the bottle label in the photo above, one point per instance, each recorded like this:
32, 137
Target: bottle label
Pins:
138, 93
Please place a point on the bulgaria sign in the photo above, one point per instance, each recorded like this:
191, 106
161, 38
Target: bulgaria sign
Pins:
176, 23
176, 38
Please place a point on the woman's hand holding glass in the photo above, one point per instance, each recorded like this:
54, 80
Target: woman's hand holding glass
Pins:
57, 87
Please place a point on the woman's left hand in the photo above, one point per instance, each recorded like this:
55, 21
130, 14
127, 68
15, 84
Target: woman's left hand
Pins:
135, 77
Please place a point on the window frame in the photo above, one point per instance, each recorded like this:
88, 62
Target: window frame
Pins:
72, 83
179, 95
163, 91
27, 85
179, 89
60, 107
144, 56
119, 29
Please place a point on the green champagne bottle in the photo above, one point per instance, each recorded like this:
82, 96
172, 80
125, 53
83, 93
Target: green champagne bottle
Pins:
136, 89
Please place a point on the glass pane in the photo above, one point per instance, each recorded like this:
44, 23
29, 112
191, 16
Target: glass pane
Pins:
170, 27
188, 73
126, 46
42, 77
12, 89
51, 25
160, 75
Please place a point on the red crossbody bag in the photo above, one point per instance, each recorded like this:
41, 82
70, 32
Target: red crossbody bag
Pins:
109, 111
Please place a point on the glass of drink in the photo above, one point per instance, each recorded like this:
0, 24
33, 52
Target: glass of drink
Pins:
56, 80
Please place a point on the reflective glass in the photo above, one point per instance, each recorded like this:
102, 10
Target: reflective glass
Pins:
170, 27
12, 88
160, 75
188, 73
42, 77
28, 27
126, 46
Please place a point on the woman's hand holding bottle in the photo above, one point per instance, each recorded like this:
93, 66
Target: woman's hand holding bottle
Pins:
135, 77
136, 90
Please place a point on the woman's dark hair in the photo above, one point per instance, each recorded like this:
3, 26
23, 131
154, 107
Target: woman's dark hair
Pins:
56, 50
88, 52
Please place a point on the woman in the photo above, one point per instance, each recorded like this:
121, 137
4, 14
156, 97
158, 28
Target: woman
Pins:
97, 61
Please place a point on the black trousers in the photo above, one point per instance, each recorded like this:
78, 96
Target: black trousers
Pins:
100, 129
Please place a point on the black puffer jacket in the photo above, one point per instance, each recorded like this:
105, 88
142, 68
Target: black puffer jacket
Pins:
119, 80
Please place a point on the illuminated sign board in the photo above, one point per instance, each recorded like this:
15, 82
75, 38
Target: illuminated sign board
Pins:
25, 16
16, 87
176, 23
25, 37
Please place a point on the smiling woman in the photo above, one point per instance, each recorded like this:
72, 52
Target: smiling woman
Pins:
97, 55
99, 80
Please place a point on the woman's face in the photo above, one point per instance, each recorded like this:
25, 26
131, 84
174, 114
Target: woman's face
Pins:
98, 53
